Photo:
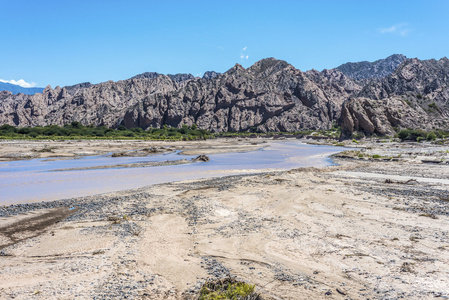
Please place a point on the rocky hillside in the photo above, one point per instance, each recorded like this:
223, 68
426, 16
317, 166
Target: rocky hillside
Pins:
415, 95
271, 95
368, 70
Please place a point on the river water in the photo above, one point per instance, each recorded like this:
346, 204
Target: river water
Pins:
34, 180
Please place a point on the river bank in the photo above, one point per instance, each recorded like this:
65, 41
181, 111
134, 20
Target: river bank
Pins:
358, 230
11, 150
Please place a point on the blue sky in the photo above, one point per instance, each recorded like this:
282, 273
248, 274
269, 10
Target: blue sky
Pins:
68, 42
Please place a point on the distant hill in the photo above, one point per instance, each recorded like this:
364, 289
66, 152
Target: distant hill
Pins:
367, 70
16, 89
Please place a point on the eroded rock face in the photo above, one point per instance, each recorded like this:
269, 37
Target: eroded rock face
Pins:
101, 104
271, 95
334, 84
428, 78
415, 95
380, 116
210, 74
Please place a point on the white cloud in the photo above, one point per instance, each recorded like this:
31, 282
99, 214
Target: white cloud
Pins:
243, 55
20, 82
401, 29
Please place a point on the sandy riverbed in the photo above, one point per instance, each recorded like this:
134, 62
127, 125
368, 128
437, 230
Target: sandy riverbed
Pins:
299, 234
26, 149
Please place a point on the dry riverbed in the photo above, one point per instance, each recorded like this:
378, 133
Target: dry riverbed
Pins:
355, 231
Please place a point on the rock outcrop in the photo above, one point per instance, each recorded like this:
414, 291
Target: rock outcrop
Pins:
415, 95
380, 116
210, 74
271, 95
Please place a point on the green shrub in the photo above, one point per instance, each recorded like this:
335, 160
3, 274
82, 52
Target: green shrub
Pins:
76, 124
227, 288
76, 129
431, 136
359, 135
411, 134
433, 105
7, 129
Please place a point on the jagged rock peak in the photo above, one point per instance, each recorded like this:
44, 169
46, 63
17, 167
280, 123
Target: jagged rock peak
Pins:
149, 75
235, 68
47, 89
424, 77
82, 85
210, 74
180, 77
377, 69
270, 64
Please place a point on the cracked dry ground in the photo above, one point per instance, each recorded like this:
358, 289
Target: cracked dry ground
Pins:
301, 234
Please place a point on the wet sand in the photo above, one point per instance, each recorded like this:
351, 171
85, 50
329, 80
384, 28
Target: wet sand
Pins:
11, 150
310, 233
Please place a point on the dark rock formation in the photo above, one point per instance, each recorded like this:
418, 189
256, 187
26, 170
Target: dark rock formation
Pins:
334, 84
210, 74
176, 78
269, 96
146, 75
74, 88
201, 158
380, 116
377, 69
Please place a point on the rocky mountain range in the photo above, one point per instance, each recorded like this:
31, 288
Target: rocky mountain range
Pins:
271, 95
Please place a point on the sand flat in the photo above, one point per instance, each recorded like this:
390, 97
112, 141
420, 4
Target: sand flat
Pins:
309, 233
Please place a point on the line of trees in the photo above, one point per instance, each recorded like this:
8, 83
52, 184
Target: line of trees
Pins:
419, 135
76, 130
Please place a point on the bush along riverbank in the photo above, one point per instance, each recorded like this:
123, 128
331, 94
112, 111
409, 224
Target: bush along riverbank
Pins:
76, 130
